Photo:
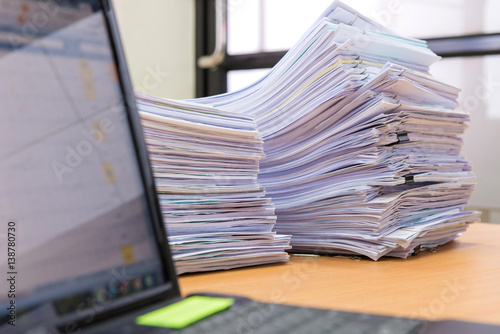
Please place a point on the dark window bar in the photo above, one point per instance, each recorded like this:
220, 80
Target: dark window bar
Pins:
463, 46
466, 46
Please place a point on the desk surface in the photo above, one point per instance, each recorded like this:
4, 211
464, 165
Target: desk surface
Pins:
459, 281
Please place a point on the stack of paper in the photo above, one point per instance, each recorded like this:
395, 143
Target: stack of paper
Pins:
362, 145
205, 162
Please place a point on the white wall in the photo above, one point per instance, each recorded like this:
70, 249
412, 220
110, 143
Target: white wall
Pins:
159, 42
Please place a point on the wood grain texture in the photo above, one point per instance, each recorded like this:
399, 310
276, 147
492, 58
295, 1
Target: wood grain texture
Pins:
460, 281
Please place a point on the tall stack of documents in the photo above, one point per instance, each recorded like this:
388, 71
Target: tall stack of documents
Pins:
362, 145
205, 163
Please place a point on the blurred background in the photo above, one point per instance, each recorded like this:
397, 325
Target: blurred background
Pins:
164, 39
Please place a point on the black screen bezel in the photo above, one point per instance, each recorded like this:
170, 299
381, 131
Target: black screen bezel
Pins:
170, 288
140, 150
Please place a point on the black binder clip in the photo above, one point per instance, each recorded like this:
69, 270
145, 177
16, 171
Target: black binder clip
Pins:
403, 137
409, 179
417, 250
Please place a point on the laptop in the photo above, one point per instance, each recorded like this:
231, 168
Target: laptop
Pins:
84, 248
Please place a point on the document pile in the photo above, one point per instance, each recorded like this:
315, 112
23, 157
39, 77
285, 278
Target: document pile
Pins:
362, 145
205, 162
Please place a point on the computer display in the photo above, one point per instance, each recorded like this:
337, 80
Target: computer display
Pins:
70, 186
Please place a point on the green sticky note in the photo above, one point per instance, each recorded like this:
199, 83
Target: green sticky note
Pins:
185, 312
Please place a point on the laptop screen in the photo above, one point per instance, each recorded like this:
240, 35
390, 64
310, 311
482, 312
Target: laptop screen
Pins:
75, 226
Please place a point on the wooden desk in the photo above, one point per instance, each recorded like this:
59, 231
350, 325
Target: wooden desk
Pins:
460, 281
